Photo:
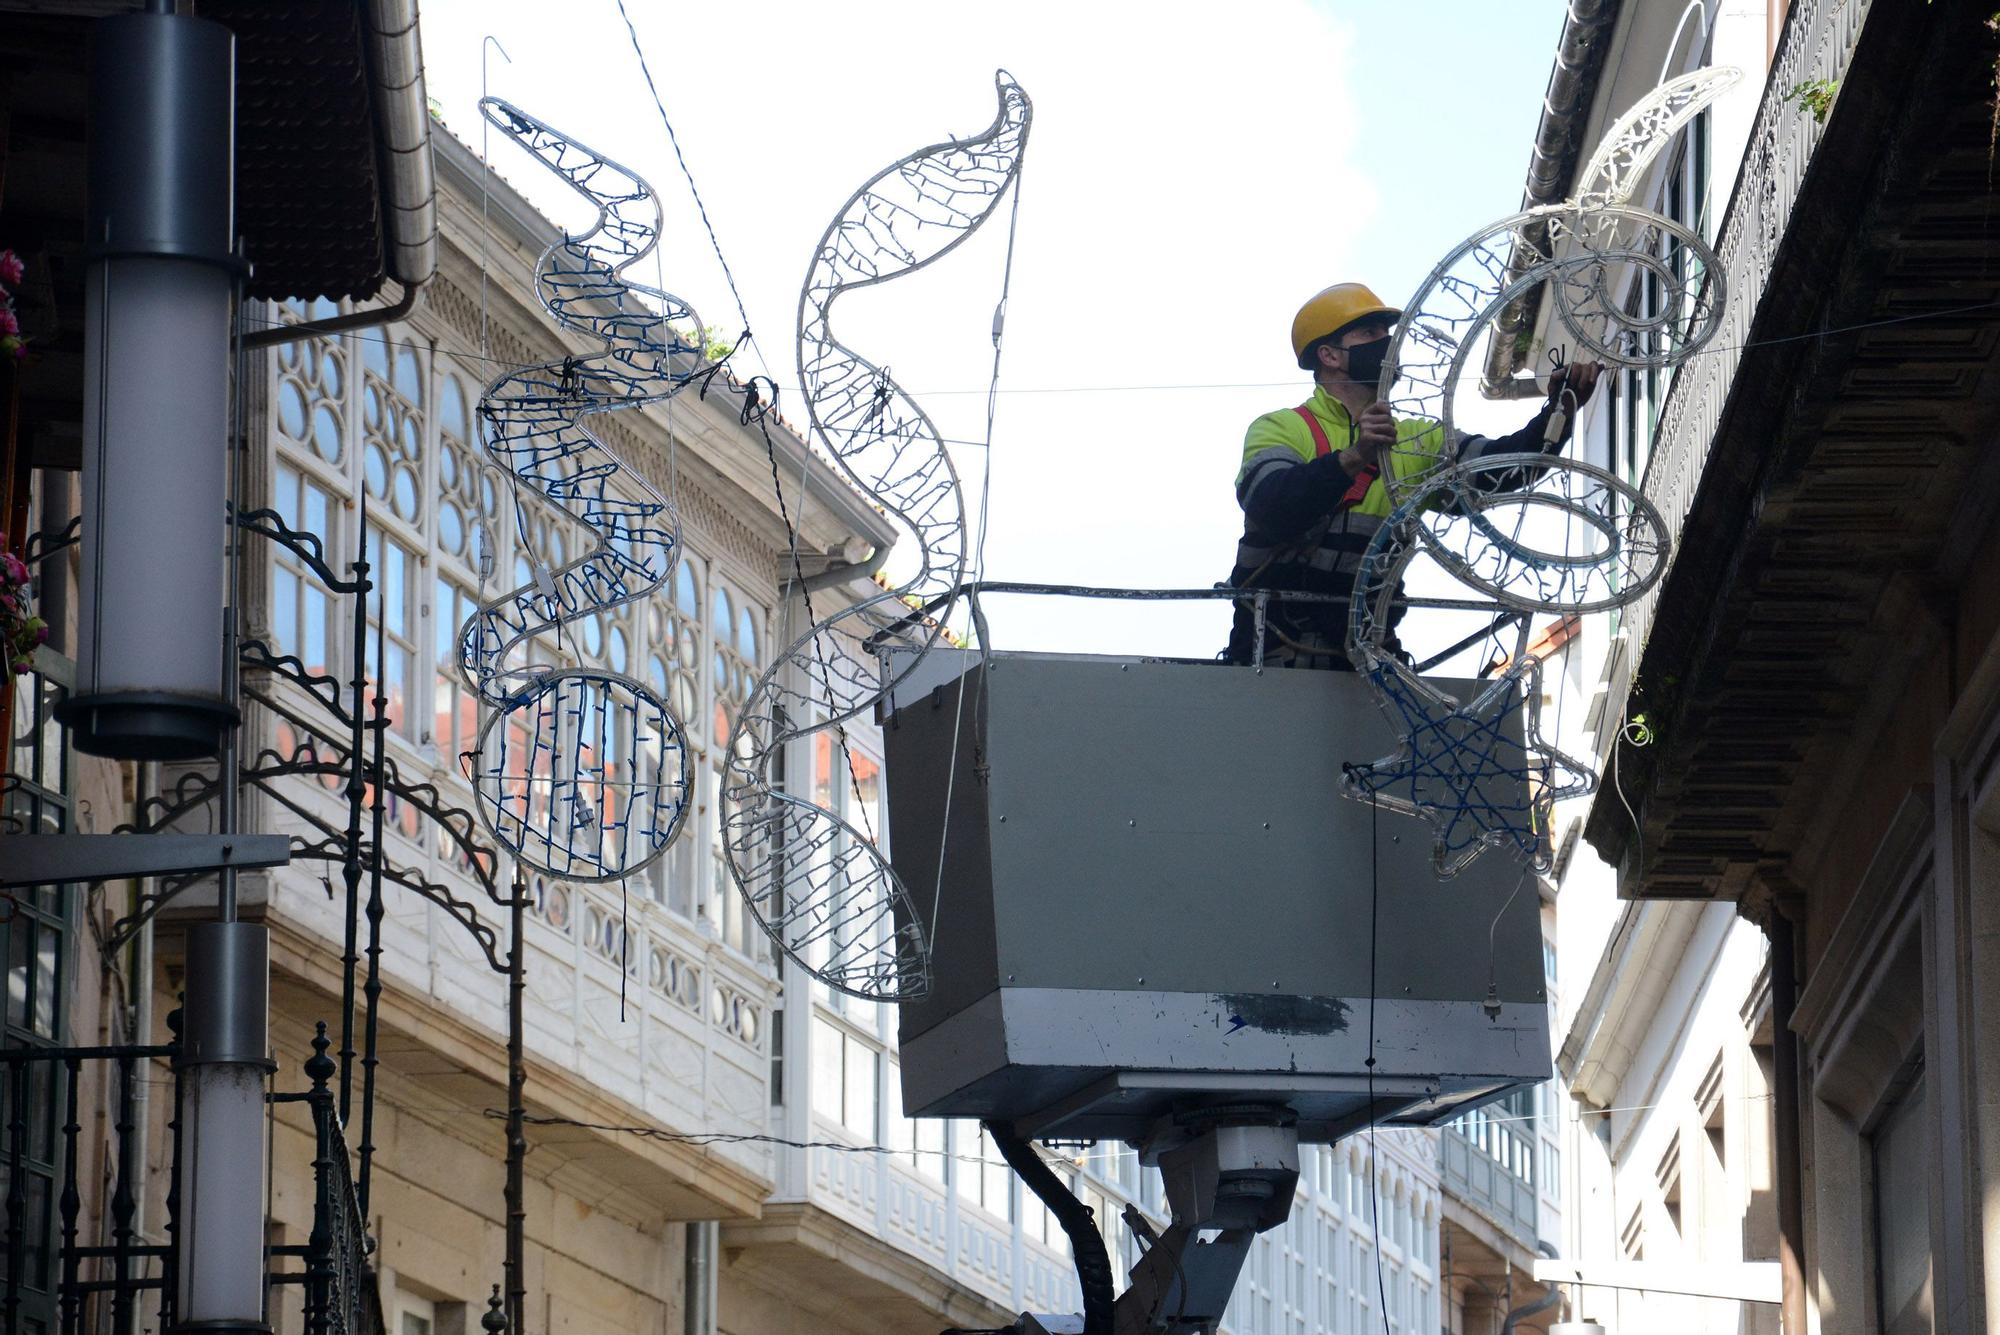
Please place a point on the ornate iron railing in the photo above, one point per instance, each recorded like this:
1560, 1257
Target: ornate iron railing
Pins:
114, 1273
97, 1286
340, 1292
1819, 42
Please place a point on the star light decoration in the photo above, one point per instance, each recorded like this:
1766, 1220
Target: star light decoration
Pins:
1460, 767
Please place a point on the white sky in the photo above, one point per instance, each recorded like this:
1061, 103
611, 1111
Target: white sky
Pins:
1193, 174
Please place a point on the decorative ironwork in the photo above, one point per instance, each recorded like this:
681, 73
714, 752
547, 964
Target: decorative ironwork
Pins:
817, 885
1818, 44
308, 547
42, 544
126, 1267
1526, 533
583, 773
340, 1288
323, 688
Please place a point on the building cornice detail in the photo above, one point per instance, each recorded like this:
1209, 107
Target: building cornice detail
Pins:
716, 526
1621, 1002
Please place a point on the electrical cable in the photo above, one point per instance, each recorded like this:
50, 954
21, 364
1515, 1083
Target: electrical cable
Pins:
845, 1147
1374, 917
1079, 1224
751, 413
752, 405
707, 1138
466, 354
674, 140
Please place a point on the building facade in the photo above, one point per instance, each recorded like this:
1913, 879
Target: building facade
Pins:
1778, 1093
717, 1142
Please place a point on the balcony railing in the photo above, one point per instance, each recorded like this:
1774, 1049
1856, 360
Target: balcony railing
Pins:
1819, 43
105, 1285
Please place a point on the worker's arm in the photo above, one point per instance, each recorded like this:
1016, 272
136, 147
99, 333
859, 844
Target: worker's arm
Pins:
1284, 490
1284, 498
1569, 389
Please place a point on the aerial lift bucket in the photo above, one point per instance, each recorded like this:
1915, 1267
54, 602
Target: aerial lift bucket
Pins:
1145, 895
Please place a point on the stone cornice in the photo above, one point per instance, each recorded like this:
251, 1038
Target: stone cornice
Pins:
808, 1257
721, 474
654, 1178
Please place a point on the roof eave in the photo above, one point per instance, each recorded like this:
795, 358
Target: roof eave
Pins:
1552, 166
403, 130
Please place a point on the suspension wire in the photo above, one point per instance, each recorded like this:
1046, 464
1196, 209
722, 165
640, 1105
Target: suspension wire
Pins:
1949, 313
979, 553
753, 410
673, 139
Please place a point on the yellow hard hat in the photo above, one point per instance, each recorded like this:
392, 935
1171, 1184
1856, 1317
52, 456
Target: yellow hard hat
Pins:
1332, 311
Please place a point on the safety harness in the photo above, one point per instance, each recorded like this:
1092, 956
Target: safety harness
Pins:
1323, 447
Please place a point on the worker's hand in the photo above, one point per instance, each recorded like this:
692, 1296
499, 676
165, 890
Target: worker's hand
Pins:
1579, 378
1375, 436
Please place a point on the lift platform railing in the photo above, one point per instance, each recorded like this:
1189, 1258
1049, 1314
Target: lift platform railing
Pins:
1260, 601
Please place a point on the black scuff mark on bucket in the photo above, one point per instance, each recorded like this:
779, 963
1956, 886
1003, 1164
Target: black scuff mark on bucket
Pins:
1282, 1014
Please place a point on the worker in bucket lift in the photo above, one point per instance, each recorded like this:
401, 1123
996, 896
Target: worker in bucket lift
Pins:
1311, 482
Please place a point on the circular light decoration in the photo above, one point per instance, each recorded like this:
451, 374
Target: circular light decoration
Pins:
1487, 521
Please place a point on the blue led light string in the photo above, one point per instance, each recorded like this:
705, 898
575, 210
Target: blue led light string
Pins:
583, 773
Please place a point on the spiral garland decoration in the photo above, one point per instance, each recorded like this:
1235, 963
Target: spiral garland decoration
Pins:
1507, 526
818, 886
582, 773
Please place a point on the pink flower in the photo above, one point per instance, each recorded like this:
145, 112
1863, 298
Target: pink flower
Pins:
8, 324
15, 568
11, 268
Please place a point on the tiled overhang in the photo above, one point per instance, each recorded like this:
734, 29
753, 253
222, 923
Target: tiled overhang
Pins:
1812, 469
309, 187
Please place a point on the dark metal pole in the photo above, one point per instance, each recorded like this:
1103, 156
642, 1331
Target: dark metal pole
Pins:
350, 863
1785, 1122
72, 1300
17, 1202
319, 1245
517, 1138
372, 989
123, 1202
170, 1291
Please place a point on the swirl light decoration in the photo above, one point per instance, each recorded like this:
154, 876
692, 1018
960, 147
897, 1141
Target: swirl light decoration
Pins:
583, 773
1493, 523
818, 886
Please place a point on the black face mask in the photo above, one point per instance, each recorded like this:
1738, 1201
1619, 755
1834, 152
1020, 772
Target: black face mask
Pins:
1364, 361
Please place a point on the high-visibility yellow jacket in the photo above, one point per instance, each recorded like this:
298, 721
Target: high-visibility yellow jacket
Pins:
1306, 529
1283, 438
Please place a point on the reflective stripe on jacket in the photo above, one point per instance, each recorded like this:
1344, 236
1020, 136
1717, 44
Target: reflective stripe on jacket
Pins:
1282, 438
1324, 557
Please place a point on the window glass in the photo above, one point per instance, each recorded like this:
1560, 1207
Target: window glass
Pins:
301, 610
36, 948
1900, 1149
393, 433
392, 654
